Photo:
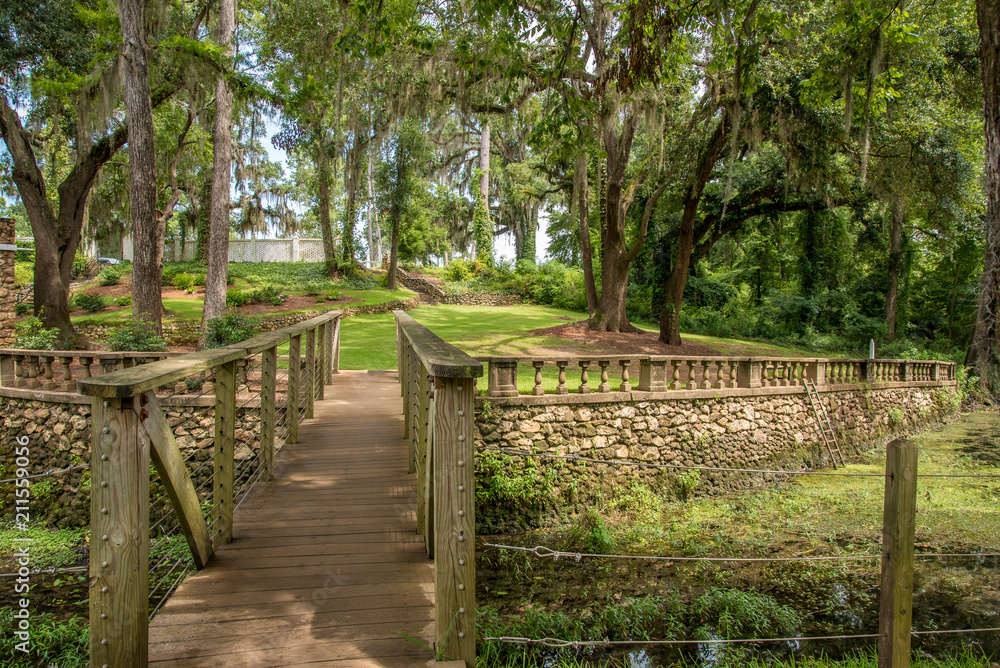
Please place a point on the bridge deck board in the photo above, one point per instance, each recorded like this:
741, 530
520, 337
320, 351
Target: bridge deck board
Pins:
325, 567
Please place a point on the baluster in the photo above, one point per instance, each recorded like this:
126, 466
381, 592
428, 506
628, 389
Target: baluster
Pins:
20, 371
67, 375
584, 378
733, 373
780, 373
34, 367
605, 386
85, 362
538, 390
722, 374
562, 389
675, 377
691, 383
128, 362
625, 386
49, 383
765, 376
706, 382
796, 373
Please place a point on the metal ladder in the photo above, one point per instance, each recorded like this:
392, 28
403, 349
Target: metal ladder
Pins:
825, 428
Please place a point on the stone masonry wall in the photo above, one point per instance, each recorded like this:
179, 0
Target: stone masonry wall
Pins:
777, 432
8, 291
59, 438
464, 299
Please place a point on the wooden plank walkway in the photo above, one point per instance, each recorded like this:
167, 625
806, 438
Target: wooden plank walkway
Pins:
325, 567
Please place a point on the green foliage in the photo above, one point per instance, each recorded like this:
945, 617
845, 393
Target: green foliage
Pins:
236, 298
230, 328
24, 273
22, 308
31, 335
731, 613
500, 481
89, 302
182, 281
124, 300
111, 275
593, 533
50, 548
54, 641
136, 335
482, 232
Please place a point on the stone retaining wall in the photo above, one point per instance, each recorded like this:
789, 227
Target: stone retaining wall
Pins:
750, 432
58, 434
463, 299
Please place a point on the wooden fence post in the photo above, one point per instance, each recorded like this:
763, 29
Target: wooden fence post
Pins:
310, 379
268, 385
454, 517
225, 436
322, 377
294, 368
335, 345
119, 544
898, 527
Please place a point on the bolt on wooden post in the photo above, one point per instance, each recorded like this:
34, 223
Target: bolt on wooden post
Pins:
454, 517
898, 528
119, 543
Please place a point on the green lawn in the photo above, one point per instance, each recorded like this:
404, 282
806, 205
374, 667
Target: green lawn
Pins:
369, 341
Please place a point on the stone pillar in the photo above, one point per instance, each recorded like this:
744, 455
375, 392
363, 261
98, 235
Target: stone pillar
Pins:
502, 377
295, 248
653, 374
8, 293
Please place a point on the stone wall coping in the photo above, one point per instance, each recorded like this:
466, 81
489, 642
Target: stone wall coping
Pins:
573, 398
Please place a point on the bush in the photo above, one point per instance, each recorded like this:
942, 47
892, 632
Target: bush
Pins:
89, 302
183, 281
269, 294
230, 328
32, 336
24, 274
110, 275
236, 298
124, 300
22, 308
137, 336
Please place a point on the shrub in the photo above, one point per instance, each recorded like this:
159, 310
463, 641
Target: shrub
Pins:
124, 300
22, 308
32, 336
183, 281
236, 297
230, 328
136, 335
110, 275
270, 294
89, 302
24, 274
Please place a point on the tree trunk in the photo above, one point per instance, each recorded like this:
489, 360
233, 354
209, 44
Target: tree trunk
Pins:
895, 262
985, 347
147, 266
351, 179
325, 227
581, 178
673, 291
482, 224
394, 253
218, 244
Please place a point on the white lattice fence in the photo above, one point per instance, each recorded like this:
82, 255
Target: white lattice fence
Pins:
255, 250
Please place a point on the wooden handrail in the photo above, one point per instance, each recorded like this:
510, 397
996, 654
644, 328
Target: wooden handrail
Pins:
129, 431
438, 383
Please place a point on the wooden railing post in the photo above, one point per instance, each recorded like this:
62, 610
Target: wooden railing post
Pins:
268, 386
225, 429
335, 346
898, 527
294, 368
454, 516
322, 352
310, 380
119, 543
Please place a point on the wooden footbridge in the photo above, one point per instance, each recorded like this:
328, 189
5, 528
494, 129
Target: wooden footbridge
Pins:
353, 548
